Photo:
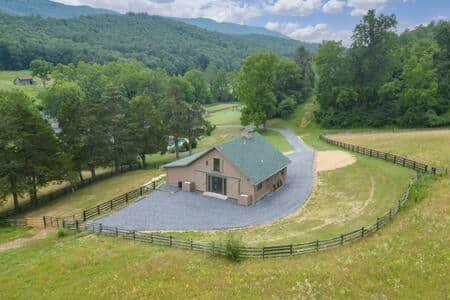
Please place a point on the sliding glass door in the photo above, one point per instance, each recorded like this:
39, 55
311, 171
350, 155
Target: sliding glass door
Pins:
216, 184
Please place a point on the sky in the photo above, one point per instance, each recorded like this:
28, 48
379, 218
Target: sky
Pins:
305, 20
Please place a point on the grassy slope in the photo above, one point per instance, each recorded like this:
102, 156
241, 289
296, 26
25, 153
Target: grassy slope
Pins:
8, 233
7, 78
431, 147
408, 259
225, 117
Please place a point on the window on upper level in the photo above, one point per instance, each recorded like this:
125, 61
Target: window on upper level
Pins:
216, 166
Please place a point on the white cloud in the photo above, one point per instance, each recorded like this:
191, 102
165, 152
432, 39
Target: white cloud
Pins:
218, 10
311, 33
295, 7
360, 7
333, 6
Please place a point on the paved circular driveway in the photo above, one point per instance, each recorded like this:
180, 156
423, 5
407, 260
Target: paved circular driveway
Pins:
170, 209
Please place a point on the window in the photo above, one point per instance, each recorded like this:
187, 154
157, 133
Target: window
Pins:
216, 165
259, 186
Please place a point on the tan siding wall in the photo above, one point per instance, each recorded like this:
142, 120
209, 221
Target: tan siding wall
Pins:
237, 183
268, 185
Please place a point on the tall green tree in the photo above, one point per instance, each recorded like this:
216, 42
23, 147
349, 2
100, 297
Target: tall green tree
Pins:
41, 69
29, 153
255, 88
200, 85
304, 60
146, 127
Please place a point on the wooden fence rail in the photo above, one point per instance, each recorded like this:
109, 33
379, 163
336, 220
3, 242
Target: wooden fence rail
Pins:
216, 248
396, 159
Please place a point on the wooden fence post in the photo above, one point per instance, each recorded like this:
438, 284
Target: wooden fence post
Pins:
151, 237
291, 249
263, 252
100, 228
154, 185
63, 223
170, 241
126, 197
117, 231
110, 204
362, 232
342, 239
98, 209
378, 223
390, 213
140, 191
134, 234
191, 244
317, 245
45, 222
77, 226
84, 216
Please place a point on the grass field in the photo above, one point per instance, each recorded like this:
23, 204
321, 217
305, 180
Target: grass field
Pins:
212, 108
7, 82
432, 147
277, 140
408, 259
9, 233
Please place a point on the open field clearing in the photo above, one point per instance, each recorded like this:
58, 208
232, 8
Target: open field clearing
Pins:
7, 82
277, 140
432, 146
212, 108
231, 116
408, 259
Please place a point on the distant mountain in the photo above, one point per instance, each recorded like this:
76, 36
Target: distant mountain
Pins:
156, 41
230, 28
46, 8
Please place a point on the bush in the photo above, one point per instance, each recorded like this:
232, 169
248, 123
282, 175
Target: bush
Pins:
61, 233
420, 188
233, 247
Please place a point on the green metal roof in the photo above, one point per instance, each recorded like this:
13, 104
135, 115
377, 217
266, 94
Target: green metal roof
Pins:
186, 160
254, 157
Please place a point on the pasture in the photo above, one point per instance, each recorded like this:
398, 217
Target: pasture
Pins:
7, 82
430, 147
406, 260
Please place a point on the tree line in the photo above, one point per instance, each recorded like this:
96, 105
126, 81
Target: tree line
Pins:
384, 78
108, 115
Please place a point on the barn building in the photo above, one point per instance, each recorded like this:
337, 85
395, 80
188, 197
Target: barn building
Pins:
245, 169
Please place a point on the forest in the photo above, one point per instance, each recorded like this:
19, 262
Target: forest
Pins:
155, 41
385, 79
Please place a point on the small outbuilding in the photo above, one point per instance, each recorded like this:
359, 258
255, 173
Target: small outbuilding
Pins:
24, 80
245, 169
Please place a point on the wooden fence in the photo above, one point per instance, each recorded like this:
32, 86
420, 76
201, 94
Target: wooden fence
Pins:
217, 248
396, 159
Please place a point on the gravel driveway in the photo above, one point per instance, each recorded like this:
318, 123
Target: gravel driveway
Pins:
171, 209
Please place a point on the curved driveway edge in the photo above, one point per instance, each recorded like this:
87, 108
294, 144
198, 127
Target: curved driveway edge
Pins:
168, 209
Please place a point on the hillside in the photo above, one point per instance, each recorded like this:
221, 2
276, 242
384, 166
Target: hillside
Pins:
47, 8
230, 28
156, 41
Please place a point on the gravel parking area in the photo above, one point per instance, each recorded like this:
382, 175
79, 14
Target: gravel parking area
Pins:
171, 209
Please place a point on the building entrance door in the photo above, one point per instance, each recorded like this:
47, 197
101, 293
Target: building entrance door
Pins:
217, 185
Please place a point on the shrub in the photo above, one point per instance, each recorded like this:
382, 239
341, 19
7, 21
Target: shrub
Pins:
61, 233
420, 188
233, 247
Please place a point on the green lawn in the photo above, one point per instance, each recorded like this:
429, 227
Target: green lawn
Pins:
277, 140
408, 259
7, 82
211, 108
9, 233
230, 116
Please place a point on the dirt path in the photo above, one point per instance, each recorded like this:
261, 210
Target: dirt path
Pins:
20, 242
332, 160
